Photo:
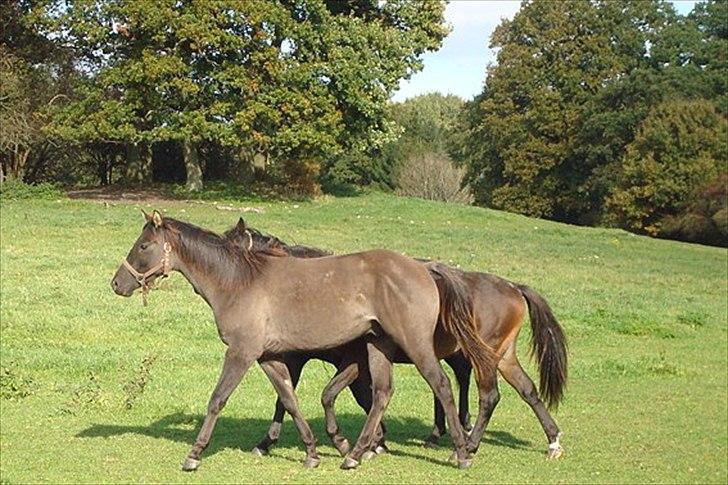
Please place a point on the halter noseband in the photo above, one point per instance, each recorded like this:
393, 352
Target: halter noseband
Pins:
141, 278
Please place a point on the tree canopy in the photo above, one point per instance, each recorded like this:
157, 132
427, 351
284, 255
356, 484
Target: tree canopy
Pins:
576, 84
297, 82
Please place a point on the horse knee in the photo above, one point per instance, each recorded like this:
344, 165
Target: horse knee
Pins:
383, 394
327, 400
216, 405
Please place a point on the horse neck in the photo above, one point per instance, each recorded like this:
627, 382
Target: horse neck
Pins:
210, 278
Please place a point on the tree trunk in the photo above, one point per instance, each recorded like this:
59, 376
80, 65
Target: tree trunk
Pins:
192, 166
138, 163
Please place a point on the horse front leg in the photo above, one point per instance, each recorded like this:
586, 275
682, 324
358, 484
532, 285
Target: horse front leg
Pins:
380, 366
295, 366
236, 364
278, 374
347, 372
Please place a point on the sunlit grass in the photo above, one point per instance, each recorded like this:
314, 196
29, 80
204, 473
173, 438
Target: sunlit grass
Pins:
646, 322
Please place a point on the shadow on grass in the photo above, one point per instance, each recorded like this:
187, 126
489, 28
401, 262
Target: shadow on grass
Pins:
244, 434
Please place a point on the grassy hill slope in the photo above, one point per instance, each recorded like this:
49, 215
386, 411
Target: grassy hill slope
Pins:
116, 392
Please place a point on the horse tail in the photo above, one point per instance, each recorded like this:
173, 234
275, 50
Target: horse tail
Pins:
456, 317
548, 344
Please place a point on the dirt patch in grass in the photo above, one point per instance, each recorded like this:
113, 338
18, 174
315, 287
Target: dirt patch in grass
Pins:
116, 193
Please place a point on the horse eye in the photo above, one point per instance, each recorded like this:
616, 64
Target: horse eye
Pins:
143, 246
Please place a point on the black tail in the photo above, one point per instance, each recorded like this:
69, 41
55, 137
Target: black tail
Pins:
456, 317
548, 344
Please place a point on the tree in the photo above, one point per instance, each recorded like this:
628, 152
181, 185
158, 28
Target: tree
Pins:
296, 82
34, 72
679, 151
428, 124
554, 58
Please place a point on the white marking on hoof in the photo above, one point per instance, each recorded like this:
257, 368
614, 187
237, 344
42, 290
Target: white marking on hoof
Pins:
368, 455
349, 463
311, 462
191, 464
555, 450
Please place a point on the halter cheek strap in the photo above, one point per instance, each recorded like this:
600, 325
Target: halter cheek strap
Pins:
142, 278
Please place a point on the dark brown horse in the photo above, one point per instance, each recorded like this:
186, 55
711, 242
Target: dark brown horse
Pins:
266, 303
500, 307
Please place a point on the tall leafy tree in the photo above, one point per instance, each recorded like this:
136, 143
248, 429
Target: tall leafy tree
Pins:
554, 58
679, 151
297, 82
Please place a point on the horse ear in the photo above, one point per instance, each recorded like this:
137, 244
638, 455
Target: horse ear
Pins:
147, 217
157, 218
241, 225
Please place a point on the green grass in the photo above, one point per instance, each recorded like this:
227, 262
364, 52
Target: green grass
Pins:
98, 388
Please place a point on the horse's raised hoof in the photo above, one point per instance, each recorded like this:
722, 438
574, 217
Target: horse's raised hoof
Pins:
466, 463
312, 462
554, 453
191, 464
368, 455
349, 463
259, 452
342, 446
381, 449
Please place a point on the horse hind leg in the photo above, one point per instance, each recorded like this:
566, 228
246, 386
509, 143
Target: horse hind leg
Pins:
438, 429
429, 366
488, 397
462, 369
510, 368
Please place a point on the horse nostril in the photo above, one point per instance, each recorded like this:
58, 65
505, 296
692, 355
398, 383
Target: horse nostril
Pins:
114, 284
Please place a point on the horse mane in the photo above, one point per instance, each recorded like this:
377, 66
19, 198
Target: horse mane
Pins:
211, 252
262, 241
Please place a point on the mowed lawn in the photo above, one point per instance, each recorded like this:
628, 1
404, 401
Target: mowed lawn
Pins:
97, 388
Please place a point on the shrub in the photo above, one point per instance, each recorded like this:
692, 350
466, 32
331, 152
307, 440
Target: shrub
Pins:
15, 189
432, 176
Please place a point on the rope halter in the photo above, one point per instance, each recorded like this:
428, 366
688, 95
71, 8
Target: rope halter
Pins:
143, 278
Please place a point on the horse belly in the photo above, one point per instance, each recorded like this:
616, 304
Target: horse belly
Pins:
306, 329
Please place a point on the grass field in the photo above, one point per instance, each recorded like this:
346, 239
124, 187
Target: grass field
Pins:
98, 388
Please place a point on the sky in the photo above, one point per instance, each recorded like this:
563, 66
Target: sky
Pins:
459, 66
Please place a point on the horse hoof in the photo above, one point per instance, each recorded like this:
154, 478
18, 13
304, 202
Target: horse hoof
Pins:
453, 457
555, 453
342, 447
259, 452
381, 450
191, 464
368, 455
467, 463
349, 463
311, 462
